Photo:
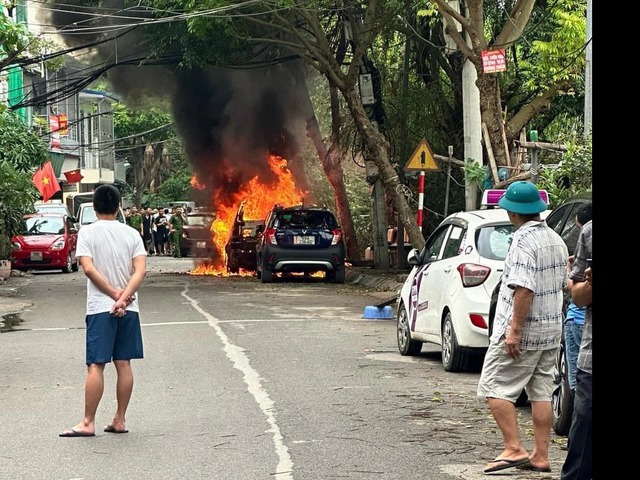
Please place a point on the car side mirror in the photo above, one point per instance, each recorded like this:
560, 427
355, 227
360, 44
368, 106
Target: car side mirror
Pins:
413, 257
73, 230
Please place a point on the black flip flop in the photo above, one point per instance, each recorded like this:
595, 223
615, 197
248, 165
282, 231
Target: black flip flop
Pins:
505, 463
112, 429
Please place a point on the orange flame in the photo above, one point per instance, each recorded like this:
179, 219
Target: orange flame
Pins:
258, 199
196, 184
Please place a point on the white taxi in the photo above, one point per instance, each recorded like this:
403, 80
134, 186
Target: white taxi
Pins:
445, 299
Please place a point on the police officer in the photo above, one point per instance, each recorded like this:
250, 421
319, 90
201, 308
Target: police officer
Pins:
176, 222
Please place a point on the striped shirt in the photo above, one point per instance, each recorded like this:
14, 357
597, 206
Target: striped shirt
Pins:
583, 252
537, 261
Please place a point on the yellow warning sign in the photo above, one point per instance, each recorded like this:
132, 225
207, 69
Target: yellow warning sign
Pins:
422, 158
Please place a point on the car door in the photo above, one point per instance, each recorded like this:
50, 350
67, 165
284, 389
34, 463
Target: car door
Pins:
423, 280
72, 236
442, 273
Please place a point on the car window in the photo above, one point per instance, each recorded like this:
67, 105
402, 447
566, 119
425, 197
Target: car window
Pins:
200, 220
42, 226
571, 231
493, 241
88, 215
452, 245
62, 210
562, 220
434, 244
305, 219
556, 219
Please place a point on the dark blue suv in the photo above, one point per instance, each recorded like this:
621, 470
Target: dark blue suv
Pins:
301, 239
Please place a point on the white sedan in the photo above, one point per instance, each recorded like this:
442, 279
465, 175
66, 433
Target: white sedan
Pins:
445, 299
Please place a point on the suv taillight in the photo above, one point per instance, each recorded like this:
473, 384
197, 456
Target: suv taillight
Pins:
472, 274
337, 236
270, 236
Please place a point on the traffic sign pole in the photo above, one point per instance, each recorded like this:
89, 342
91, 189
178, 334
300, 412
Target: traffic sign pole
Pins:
420, 197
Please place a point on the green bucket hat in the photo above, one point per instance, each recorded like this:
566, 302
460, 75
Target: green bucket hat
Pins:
522, 197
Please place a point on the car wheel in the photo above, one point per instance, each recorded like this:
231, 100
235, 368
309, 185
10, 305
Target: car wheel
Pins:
406, 345
75, 265
267, 276
336, 276
454, 359
68, 268
562, 397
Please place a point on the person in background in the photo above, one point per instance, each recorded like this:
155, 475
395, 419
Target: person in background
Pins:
135, 220
579, 462
575, 315
162, 229
113, 259
176, 223
147, 234
527, 330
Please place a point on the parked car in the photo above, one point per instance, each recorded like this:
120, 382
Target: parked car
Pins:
445, 298
301, 239
197, 237
51, 207
240, 250
47, 241
87, 215
562, 220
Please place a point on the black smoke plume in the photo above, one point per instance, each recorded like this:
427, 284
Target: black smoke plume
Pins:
229, 120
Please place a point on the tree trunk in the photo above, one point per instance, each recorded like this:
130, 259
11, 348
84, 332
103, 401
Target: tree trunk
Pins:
377, 150
330, 158
332, 165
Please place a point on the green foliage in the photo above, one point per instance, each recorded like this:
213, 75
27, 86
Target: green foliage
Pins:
21, 152
475, 172
20, 147
572, 175
17, 194
178, 187
16, 43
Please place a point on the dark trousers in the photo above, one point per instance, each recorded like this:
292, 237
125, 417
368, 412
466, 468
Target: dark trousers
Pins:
579, 465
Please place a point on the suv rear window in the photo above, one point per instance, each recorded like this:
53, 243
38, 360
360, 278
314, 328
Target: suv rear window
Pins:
305, 219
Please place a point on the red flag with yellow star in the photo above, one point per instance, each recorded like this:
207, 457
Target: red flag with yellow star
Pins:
45, 181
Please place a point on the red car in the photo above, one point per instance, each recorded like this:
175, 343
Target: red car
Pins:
47, 242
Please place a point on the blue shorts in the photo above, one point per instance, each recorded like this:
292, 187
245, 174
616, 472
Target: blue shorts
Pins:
113, 338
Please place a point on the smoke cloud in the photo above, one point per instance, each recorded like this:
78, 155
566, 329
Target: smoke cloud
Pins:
229, 120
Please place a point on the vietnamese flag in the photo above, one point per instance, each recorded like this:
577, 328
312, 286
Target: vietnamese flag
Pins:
73, 176
45, 181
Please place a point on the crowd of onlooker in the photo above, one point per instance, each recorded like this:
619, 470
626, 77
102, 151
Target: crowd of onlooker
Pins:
160, 228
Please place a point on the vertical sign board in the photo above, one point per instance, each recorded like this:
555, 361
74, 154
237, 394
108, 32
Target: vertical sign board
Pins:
494, 61
422, 160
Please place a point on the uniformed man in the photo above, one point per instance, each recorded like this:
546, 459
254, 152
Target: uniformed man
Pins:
176, 223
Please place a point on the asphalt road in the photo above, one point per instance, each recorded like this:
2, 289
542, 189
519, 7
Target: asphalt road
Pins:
240, 380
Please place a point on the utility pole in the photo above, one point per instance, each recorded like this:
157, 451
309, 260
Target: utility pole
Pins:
472, 125
369, 102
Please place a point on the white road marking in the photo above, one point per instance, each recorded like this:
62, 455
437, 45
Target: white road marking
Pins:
254, 383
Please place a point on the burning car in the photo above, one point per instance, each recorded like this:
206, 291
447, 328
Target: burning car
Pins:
240, 250
197, 238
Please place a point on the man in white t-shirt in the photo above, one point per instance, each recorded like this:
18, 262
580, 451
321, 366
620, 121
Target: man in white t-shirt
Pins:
113, 258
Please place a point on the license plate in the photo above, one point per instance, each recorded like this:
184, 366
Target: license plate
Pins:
36, 256
304, 240
201, 244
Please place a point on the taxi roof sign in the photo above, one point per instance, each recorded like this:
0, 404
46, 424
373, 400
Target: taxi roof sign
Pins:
422, 158
491, 197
